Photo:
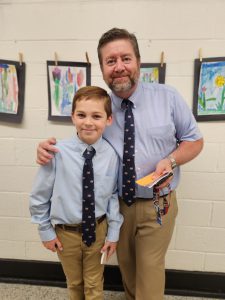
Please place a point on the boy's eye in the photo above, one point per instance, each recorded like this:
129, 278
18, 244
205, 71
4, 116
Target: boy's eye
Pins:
80, 115
97, 117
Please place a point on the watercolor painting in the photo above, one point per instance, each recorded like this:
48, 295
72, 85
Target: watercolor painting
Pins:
210, 98
64, 80
12, 81
153, 73
8, 89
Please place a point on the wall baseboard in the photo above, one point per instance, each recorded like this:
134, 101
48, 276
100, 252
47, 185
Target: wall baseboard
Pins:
178, 282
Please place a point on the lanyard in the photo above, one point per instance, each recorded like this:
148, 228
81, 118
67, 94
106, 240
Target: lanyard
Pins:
160, 211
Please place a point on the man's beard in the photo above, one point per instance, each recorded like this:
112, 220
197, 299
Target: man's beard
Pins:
123, 87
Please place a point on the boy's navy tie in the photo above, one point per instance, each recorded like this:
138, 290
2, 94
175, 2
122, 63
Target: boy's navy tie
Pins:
128, 188
88, 211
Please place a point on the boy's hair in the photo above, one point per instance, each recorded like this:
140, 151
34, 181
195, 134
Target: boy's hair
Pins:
96, 93
117, 34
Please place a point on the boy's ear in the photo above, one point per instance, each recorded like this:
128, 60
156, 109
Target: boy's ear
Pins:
109, 121
72, 119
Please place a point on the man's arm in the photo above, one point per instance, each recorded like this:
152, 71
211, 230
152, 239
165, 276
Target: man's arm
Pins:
43, 151
185, 152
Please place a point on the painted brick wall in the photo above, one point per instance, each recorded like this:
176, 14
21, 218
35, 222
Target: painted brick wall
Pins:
38, 28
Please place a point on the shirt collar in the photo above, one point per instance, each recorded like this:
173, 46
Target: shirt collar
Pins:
83, 146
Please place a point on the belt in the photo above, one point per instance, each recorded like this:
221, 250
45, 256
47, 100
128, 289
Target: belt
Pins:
78, 227
146, 199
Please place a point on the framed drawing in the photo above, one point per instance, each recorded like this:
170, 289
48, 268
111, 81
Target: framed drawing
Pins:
209, 89
153, 72
12, 86
64, 79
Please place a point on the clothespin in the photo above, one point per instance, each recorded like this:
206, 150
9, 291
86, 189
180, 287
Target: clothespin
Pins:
200, 54
87, 58
56, 58
20, 58
162, 59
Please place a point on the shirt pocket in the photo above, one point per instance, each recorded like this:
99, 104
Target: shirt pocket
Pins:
105, 187
161, 139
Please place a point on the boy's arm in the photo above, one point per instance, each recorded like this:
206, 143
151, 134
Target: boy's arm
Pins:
40, 204
43, 151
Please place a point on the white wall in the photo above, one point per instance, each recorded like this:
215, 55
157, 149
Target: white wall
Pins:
38, 28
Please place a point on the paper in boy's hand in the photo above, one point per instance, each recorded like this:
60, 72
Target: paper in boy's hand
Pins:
104, 258
151, 180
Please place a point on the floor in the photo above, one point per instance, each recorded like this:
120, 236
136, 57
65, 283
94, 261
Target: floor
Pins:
31, 292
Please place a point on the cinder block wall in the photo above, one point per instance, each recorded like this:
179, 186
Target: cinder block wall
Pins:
38, 28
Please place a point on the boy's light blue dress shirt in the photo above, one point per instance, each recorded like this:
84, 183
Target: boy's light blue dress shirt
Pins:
161, 119
56, 197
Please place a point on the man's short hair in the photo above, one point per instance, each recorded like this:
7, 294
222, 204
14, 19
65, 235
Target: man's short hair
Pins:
118, 34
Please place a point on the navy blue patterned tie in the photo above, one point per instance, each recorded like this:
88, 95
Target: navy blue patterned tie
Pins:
88, 212
128, 188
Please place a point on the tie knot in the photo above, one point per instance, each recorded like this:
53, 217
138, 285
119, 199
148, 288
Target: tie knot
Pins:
126, 103
89, 153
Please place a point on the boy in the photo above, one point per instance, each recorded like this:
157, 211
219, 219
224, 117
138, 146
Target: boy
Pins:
74, 203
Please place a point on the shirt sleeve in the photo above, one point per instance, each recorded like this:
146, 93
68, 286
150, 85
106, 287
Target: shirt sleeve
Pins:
40, 201
114, 217
185, 123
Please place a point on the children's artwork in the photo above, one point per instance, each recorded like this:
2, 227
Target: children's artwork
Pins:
153, 72
209, 89
64, 80
12, 84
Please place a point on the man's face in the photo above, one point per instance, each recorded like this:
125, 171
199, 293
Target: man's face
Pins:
120, 67
90, 119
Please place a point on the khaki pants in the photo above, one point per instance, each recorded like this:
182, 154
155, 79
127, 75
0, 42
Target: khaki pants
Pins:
81, 264
142, 248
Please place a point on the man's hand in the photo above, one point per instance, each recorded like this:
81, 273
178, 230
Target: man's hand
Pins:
43, 155
185, 152
109, 247
162, 167
53, 244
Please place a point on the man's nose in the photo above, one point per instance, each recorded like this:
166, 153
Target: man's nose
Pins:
119, 67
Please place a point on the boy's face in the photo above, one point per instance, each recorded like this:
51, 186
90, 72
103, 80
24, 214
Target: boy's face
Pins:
90, 119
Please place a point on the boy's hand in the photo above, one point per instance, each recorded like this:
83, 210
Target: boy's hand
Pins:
53, 244
109, 247
43, 155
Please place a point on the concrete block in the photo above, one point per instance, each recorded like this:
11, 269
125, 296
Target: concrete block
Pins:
184, 260
36, 251
200, 239
7, 151
12, 249
194, 212
218, 219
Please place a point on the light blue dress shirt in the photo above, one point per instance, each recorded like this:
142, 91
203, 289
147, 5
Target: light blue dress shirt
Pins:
161, 119
56, 197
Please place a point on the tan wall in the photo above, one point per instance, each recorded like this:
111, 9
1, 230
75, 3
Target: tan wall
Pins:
38, 28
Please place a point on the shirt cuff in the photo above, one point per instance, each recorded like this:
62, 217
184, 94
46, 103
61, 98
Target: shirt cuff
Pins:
113, 235
47, 235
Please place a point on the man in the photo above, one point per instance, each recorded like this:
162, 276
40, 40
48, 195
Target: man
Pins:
165, 136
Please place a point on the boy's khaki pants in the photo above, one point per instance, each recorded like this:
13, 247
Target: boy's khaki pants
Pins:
142, 247
81, 264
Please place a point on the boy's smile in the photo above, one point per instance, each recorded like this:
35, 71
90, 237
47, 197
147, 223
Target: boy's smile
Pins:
90, 119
